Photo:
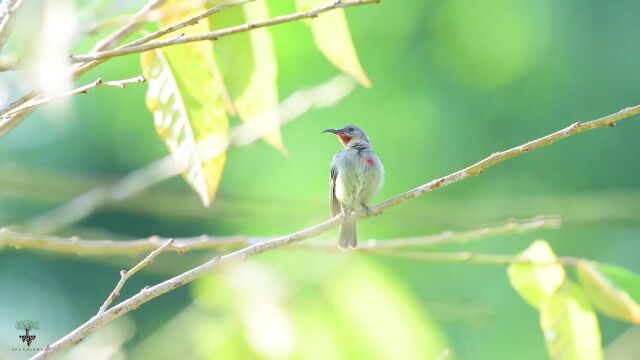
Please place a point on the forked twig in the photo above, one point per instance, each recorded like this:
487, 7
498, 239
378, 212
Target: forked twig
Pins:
125, 275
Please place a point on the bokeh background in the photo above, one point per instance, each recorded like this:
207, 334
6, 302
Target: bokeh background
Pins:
453, 82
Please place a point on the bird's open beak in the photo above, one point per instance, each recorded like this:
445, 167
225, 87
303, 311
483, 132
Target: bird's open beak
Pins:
338, 131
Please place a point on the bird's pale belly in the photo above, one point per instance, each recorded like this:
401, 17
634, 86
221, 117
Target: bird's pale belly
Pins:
356, 185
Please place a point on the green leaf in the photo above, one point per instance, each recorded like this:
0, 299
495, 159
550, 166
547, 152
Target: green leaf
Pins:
186, 100
249, 67
332, 37
609, 288
539, 277
569, 325
624, 279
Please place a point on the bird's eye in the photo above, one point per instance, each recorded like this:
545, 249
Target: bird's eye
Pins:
350, 129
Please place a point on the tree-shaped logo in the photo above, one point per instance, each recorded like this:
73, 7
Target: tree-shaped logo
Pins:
27, 326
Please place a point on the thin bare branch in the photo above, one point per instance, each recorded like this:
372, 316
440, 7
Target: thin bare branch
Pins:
217, 34
83, 68
77, 246
80, 90
478, 168
448, 237
125, 275
498, 157
188, 22
470, 257
7, 11
326, 94
7, 124
132, 25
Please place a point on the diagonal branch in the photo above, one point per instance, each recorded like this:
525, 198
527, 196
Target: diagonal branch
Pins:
478, 168
80, 90
78, 246
125, 275
217, 34
132, 25
7, 15
185, 23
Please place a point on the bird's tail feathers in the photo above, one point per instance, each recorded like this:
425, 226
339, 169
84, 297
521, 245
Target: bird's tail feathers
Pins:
347, 236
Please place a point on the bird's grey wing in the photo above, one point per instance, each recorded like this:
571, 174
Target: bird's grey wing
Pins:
333, 201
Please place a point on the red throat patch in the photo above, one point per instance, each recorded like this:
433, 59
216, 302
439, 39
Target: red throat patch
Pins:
344, 139
370, 161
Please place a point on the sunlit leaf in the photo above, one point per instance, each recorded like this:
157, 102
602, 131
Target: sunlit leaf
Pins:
186, 100
538, 277
249, 67
331, 35
604, 292
569, 325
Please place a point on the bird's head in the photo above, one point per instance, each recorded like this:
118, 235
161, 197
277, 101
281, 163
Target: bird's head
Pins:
348, 133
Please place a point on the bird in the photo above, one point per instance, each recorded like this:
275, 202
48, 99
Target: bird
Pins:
356, 177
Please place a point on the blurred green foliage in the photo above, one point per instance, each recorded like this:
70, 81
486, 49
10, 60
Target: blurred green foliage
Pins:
453, 81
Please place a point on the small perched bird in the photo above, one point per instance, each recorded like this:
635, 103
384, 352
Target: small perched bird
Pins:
356, 177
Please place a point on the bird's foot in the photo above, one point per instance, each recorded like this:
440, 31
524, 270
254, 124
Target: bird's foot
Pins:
366, 208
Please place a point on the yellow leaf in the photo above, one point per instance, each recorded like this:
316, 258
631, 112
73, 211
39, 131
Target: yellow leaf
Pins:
606, 296
538, 278
331, 34
186, 100
570, 326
